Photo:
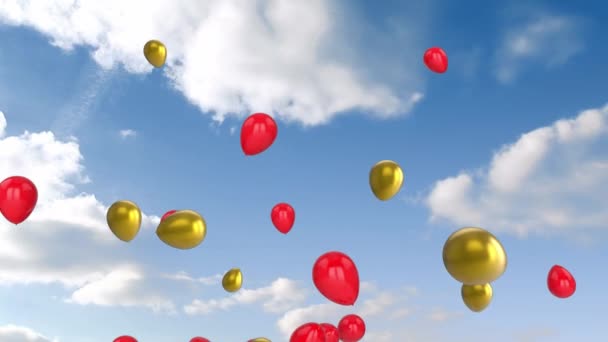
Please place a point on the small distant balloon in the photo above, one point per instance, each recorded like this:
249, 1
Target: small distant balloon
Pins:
385, 179
436, 60
259, 339
18, 198
351, 328
124, 220
560, 282
167, 214
199, 339
125, 338
309, 332
156, 53
336, 277
258, 133
476, 297
232, 280
184, 229
331, 332
283, 217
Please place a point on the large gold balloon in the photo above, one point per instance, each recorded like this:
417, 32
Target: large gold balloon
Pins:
156, 53
184, 229
233, 280
476, 297
259, 339
474, 256
385, 179
124, 220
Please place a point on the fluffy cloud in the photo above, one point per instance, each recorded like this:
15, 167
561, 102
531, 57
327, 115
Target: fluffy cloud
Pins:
184, 276
127, 133
554, 179
14, 333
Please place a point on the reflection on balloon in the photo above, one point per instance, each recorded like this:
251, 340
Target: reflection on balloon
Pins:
386, 179
184, 229
156, 53
283, 217
336, 277
560, 282
308, 332
232, 280
259, 339
124, 220
258, 133
125, 338
476, 297
351, 328
331, 332
18, 198
474, 256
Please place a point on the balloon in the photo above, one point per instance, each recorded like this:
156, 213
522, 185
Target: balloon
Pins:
260, 339
385, 179
156, 53
309, 332
185, 229
560, 282
436, 60
18, 198
233, 280
257, 133
351, 328
337, 278
199, 339
331, 332
125, 338
124, 220
474, 256
283, 217
476, 297
167, 214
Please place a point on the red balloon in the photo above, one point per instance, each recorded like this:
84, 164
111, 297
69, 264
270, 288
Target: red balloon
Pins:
309, 332
125, 339
560, 282
336, 277
283, 217
257, 133
351, 328
436, 60
331, 332
167, 214
199, 339
18, 197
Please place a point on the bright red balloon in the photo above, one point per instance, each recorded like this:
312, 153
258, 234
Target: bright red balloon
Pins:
436, 60
257, 133
351, 328
199, 339
337, 278
167, 214
125, 338
331, 332
283, 217
18, 198
309, 332
560, 282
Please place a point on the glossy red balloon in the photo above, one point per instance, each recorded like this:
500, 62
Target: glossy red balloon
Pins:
351, 328
560, 282
283, 217
167, 214
18, 198
257, 133
309, 332
199, 339
436, 60
331, 332
125, 338
337, 278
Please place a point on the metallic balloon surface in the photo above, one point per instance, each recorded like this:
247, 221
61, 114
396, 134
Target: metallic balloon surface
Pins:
386, 179
308, 332
436, 60
560, 282
199, 339
259, 339
184, 229
18, 198
124, 220
351, 328
283, 216
474, 256
258, 133
331, 332
232, 280
336, 277
125, 338
476, 297
156, 53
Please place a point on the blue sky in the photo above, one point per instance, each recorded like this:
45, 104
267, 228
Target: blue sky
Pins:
483, 146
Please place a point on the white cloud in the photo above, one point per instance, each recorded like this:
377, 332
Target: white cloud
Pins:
2, 124
231, 56
553, 179
15, 333
546, 40
127, 133
184, 276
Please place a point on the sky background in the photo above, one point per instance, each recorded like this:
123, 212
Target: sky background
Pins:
513, 138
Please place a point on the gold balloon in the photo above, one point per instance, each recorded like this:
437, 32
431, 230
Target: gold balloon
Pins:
156, 53
476, 297
259, 339
233, 280
184, 229
385, 179
474, 256
124, 220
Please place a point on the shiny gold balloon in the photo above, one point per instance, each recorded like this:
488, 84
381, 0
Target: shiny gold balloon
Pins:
385, 179
124, 220
259, 339
184, 229
156, 53
474, 256
233, 280
476, 297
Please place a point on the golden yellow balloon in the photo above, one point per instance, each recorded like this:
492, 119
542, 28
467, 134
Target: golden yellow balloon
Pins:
476, 297
474, 256
124, 220
259, 339
156, 53
233, 280
185, 229
385, 179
